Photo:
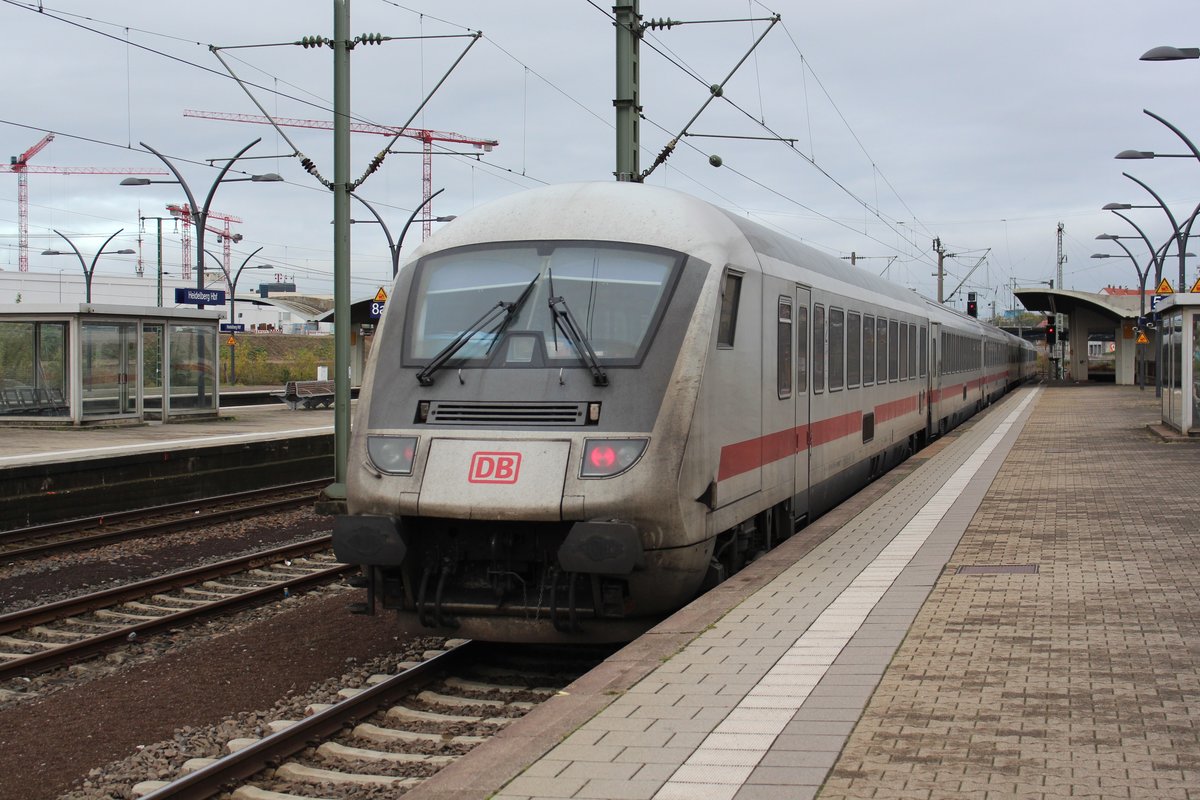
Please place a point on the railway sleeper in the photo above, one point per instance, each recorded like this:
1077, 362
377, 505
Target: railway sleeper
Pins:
479, 686
341, 751
410, 714
12, 641
375, 733
291, 771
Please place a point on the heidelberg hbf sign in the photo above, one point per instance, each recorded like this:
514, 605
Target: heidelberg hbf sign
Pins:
200, 297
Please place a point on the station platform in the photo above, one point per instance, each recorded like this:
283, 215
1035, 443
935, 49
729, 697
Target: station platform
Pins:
1014, 612
48, 474
32, 445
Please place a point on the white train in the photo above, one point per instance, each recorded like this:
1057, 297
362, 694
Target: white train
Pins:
588, 403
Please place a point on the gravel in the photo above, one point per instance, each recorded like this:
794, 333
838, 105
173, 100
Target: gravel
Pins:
94, 729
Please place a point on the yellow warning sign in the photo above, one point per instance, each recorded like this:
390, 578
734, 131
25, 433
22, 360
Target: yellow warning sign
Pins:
1164, 287
1142, 338
1195, 286
231, 341
381, 295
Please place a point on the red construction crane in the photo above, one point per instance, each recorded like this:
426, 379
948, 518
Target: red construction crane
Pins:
21, 166
184, 214
426, 137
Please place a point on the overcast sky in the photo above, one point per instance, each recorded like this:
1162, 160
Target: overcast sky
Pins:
984, 124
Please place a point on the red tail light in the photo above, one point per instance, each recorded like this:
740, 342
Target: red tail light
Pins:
604, 458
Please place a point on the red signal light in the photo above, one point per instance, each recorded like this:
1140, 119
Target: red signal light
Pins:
602, 457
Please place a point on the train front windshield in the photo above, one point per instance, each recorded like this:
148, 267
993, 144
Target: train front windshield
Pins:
500, 297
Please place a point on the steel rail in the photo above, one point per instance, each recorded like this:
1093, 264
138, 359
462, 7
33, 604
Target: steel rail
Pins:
203, 517
20, 620
217, 777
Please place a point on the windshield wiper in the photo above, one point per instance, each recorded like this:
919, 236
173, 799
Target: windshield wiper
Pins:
500, 310
564, 320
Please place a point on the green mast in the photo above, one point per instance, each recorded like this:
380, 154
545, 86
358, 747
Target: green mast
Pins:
629, 36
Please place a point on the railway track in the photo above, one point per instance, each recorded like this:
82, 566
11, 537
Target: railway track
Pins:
42, 637
39, 540
392, 734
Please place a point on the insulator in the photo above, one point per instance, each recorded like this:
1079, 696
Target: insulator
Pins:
313, 41
666, 23
308, 164
371, 38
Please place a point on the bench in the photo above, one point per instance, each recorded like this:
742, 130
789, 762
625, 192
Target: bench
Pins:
307, 394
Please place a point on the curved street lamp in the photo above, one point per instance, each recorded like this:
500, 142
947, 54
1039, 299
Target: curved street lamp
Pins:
233, 315
200, 212
1142, 274
1178, 232
88, 272
394, 246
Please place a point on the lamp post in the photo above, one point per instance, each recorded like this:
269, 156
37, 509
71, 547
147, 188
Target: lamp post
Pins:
87, 271
200, 212
1180, 235
1140, 371
394, 246
233, 315
1176, 230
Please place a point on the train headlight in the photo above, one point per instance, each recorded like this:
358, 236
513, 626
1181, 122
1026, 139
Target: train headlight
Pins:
392, 454
604, 458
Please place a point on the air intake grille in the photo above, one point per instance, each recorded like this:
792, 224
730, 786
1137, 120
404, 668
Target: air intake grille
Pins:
444, 413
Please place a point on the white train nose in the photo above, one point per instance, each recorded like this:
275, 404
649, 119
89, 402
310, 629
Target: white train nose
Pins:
499, 479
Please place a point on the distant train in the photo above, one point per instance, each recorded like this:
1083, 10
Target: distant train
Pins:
586, 404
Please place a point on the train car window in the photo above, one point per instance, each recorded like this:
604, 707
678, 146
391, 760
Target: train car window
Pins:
802, 348
853, 349
868, 335
893, 350
818, 348
837, 349
903, 351
922, 364
881, 350
731, 293
912, 351
783, 348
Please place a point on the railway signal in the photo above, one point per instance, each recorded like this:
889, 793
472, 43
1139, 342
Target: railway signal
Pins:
972, 305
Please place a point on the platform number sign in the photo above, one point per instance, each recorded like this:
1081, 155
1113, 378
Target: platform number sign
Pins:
378, 303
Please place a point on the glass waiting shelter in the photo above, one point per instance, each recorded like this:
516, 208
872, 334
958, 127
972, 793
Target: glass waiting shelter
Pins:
87, 363
1180, 332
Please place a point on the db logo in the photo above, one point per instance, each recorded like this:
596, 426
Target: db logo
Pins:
494, 467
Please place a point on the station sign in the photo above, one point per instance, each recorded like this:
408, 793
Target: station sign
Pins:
1154, 301
200, 297
378, 303
233, 327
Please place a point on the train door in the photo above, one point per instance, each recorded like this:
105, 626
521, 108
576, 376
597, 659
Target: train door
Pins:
803, 404
935, 380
